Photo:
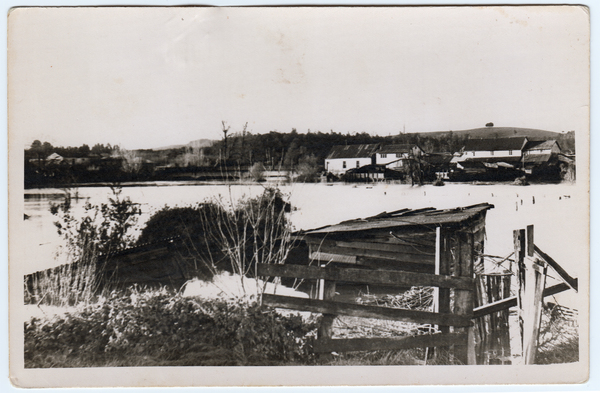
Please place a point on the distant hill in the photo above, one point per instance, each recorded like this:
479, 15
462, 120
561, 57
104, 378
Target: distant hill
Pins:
498, 132
198, 143
170, 147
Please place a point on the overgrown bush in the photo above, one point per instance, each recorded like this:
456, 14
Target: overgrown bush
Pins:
220, 234
308, 169
257, 172
558, 340
152, 328
194, 226
103, 229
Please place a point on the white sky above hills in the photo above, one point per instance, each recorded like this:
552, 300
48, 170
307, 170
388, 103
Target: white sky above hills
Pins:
151, 77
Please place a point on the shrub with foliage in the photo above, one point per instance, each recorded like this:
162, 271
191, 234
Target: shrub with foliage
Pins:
153, 328
308, 169
230, 237
193, 225
102, 229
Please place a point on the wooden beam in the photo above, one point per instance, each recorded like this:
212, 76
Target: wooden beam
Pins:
519, 247
512, 301
495, 307
408, 240
379, 277
386, 264
325, 330
405, 249
358, 310
535, 281
381, 254
328, 257
387, 344
445, 250
464, 300
572, 282
553, 290
530, 243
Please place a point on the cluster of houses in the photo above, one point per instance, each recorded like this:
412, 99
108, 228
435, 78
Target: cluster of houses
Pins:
91, 162
479, 159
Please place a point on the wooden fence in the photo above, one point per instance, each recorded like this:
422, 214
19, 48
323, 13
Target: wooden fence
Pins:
453, 278
459, 321
532, 265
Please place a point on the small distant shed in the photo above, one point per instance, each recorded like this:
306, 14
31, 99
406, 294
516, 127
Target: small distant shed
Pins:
372, 173
406, 240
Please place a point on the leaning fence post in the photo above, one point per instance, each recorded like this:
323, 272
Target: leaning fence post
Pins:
519, 244
325, 330
535, 281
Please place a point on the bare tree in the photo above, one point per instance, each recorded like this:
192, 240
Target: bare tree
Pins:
252, 231
225, 131
132, 162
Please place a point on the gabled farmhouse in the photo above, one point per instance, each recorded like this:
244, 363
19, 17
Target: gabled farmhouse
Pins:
541, 148
341, 158
395, 156
490, 159
498, 151
494, 148
540, 155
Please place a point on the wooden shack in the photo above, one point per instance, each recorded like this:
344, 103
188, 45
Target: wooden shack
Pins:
425, 247
403, 240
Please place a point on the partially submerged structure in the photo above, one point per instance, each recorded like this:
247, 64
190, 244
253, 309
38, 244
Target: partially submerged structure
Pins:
402, 240
341, 158
403, 248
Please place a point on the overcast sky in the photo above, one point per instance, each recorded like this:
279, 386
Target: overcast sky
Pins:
150, 77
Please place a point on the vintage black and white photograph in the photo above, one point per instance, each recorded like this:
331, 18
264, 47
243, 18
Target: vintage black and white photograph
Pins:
292, 195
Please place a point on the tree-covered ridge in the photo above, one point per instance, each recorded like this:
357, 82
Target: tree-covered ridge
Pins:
288, 150
303, 154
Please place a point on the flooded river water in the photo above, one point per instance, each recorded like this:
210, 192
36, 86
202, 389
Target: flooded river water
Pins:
559, 212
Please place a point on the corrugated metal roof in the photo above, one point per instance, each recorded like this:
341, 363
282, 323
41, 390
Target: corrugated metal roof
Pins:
495, 144
540, 145
406, 217
352, 151
436, 159
509, 160
537, 158
397, 148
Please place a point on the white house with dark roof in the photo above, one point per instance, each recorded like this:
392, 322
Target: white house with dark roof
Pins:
494, 148
344, 157
542, 147
394, 155
505, 152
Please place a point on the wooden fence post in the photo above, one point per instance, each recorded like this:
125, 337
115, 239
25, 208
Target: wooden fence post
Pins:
519, 245
326, 328
443, 258
463, 300
534, 287
531, 276
531, 307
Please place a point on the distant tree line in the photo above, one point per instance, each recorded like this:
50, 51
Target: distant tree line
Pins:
290, 150
42, 150
301, 153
